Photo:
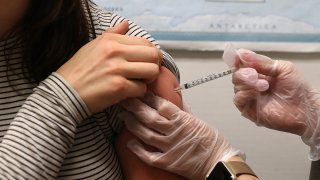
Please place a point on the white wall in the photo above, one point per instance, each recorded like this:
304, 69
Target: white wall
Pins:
273, 155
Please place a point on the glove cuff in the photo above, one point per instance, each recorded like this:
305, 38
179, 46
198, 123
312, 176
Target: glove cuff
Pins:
227, 155
233, 152
311, 136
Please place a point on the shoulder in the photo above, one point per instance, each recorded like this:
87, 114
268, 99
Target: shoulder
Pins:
103, 19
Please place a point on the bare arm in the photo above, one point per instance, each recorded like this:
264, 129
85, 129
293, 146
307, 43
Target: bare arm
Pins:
132, 167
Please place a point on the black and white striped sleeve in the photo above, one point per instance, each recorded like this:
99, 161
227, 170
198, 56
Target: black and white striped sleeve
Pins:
42, 132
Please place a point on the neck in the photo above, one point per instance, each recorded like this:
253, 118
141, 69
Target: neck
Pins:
11, 12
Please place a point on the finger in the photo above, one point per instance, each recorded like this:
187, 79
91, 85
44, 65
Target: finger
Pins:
163, 106
140, 53
244, 97
147, 115
245, 76
142, 111
248, 78
145, 134
146, 156
263, 64
262, 85
230, 56
149, 137
132, 53
239, 51
133, 88
140, 70
121, 28
125, 39
238, 59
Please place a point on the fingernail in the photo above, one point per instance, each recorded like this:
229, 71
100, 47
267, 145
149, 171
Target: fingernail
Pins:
245, 51
262, 85
244, 54
249, 75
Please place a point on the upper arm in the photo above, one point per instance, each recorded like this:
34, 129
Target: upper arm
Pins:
164, 87
132, 167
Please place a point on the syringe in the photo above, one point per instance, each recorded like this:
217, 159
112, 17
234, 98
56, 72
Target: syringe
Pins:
203, 80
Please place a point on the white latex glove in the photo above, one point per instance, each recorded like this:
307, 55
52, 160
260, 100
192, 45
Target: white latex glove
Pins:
273, 94
187, 145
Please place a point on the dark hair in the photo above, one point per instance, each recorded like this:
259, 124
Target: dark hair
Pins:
52, 31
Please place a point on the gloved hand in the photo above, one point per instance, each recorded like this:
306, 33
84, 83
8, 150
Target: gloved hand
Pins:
273, 94
187, 145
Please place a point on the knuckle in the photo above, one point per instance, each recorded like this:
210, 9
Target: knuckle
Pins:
156, 55
107, 36
147, 42
150, 121
155, 71
150, 137
114, 68
112, 49
99, 38
160, 162
119, 84
110, 45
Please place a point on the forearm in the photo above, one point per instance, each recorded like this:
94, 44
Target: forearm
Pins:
42, 132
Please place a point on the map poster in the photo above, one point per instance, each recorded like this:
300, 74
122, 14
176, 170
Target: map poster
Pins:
260, 25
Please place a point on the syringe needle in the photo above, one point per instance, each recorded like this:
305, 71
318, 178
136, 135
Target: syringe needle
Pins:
178, 89
203, 80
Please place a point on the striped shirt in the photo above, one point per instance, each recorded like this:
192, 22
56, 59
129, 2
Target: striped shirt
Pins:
46, 130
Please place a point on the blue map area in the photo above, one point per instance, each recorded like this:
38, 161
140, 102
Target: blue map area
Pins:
223, 20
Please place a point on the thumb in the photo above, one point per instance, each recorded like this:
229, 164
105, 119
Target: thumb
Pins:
262, 64
121, 28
